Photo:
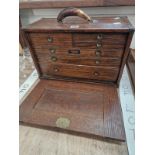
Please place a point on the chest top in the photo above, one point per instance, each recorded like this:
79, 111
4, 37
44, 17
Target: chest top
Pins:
70, 24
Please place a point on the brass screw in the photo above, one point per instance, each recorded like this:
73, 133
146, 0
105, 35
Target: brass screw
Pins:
96, 73
56, 69
97, 61
98, 53
98, 45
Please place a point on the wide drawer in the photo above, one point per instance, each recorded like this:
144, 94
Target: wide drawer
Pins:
83, 52
78, 60
79, 71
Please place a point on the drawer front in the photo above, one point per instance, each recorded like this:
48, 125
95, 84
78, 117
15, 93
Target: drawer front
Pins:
105, 37
83, 52
104, 40
46, 40
95, 56
79, 71
109, 45
90, 61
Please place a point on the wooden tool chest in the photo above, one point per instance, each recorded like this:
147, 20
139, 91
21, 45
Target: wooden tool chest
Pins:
80, 63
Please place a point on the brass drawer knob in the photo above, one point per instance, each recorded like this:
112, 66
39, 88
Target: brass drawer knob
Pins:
52, 50
97, 62
98, 53
96, 73
99, 37
98, 45
56, 70
54, 59
49, 39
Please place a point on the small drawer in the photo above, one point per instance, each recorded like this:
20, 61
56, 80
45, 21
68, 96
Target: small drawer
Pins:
79, 71
93, 40
44, 40
84, 37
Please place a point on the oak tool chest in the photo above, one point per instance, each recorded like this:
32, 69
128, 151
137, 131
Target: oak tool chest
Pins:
80, 61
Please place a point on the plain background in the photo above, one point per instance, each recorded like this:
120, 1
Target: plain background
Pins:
145, 77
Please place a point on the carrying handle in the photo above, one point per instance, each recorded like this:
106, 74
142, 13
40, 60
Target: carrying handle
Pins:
72, 12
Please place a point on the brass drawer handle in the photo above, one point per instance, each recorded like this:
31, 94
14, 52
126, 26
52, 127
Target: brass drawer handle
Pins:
50, 39
56, 70
97, 62
96, 73
98, 53
99, 37
98, 45
54, 59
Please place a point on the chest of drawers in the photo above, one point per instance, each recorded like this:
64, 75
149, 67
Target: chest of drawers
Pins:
87, 51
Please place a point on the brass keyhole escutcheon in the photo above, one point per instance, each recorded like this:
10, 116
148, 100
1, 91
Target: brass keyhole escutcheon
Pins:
63, 122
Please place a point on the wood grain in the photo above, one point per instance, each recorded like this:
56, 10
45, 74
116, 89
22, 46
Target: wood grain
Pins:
99, 25
79, 71
110, 37
84, 52
77, 60
91, 110
87, 106
33, 4
34, 141
131, 66
22, 39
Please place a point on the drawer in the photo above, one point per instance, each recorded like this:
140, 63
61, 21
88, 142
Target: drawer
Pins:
79, 71
78, 60
91, 37
40, 40
116, 53
91, 40
95, 45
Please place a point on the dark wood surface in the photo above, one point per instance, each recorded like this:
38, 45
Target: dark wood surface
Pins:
78, 51
97, 52
43, 4
125, 55
131, 66
92, 110
22, 39
76, 24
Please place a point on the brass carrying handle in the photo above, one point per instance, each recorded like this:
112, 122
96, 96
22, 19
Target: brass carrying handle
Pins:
72, 12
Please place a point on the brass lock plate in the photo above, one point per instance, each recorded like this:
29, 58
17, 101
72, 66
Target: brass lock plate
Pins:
62, 122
